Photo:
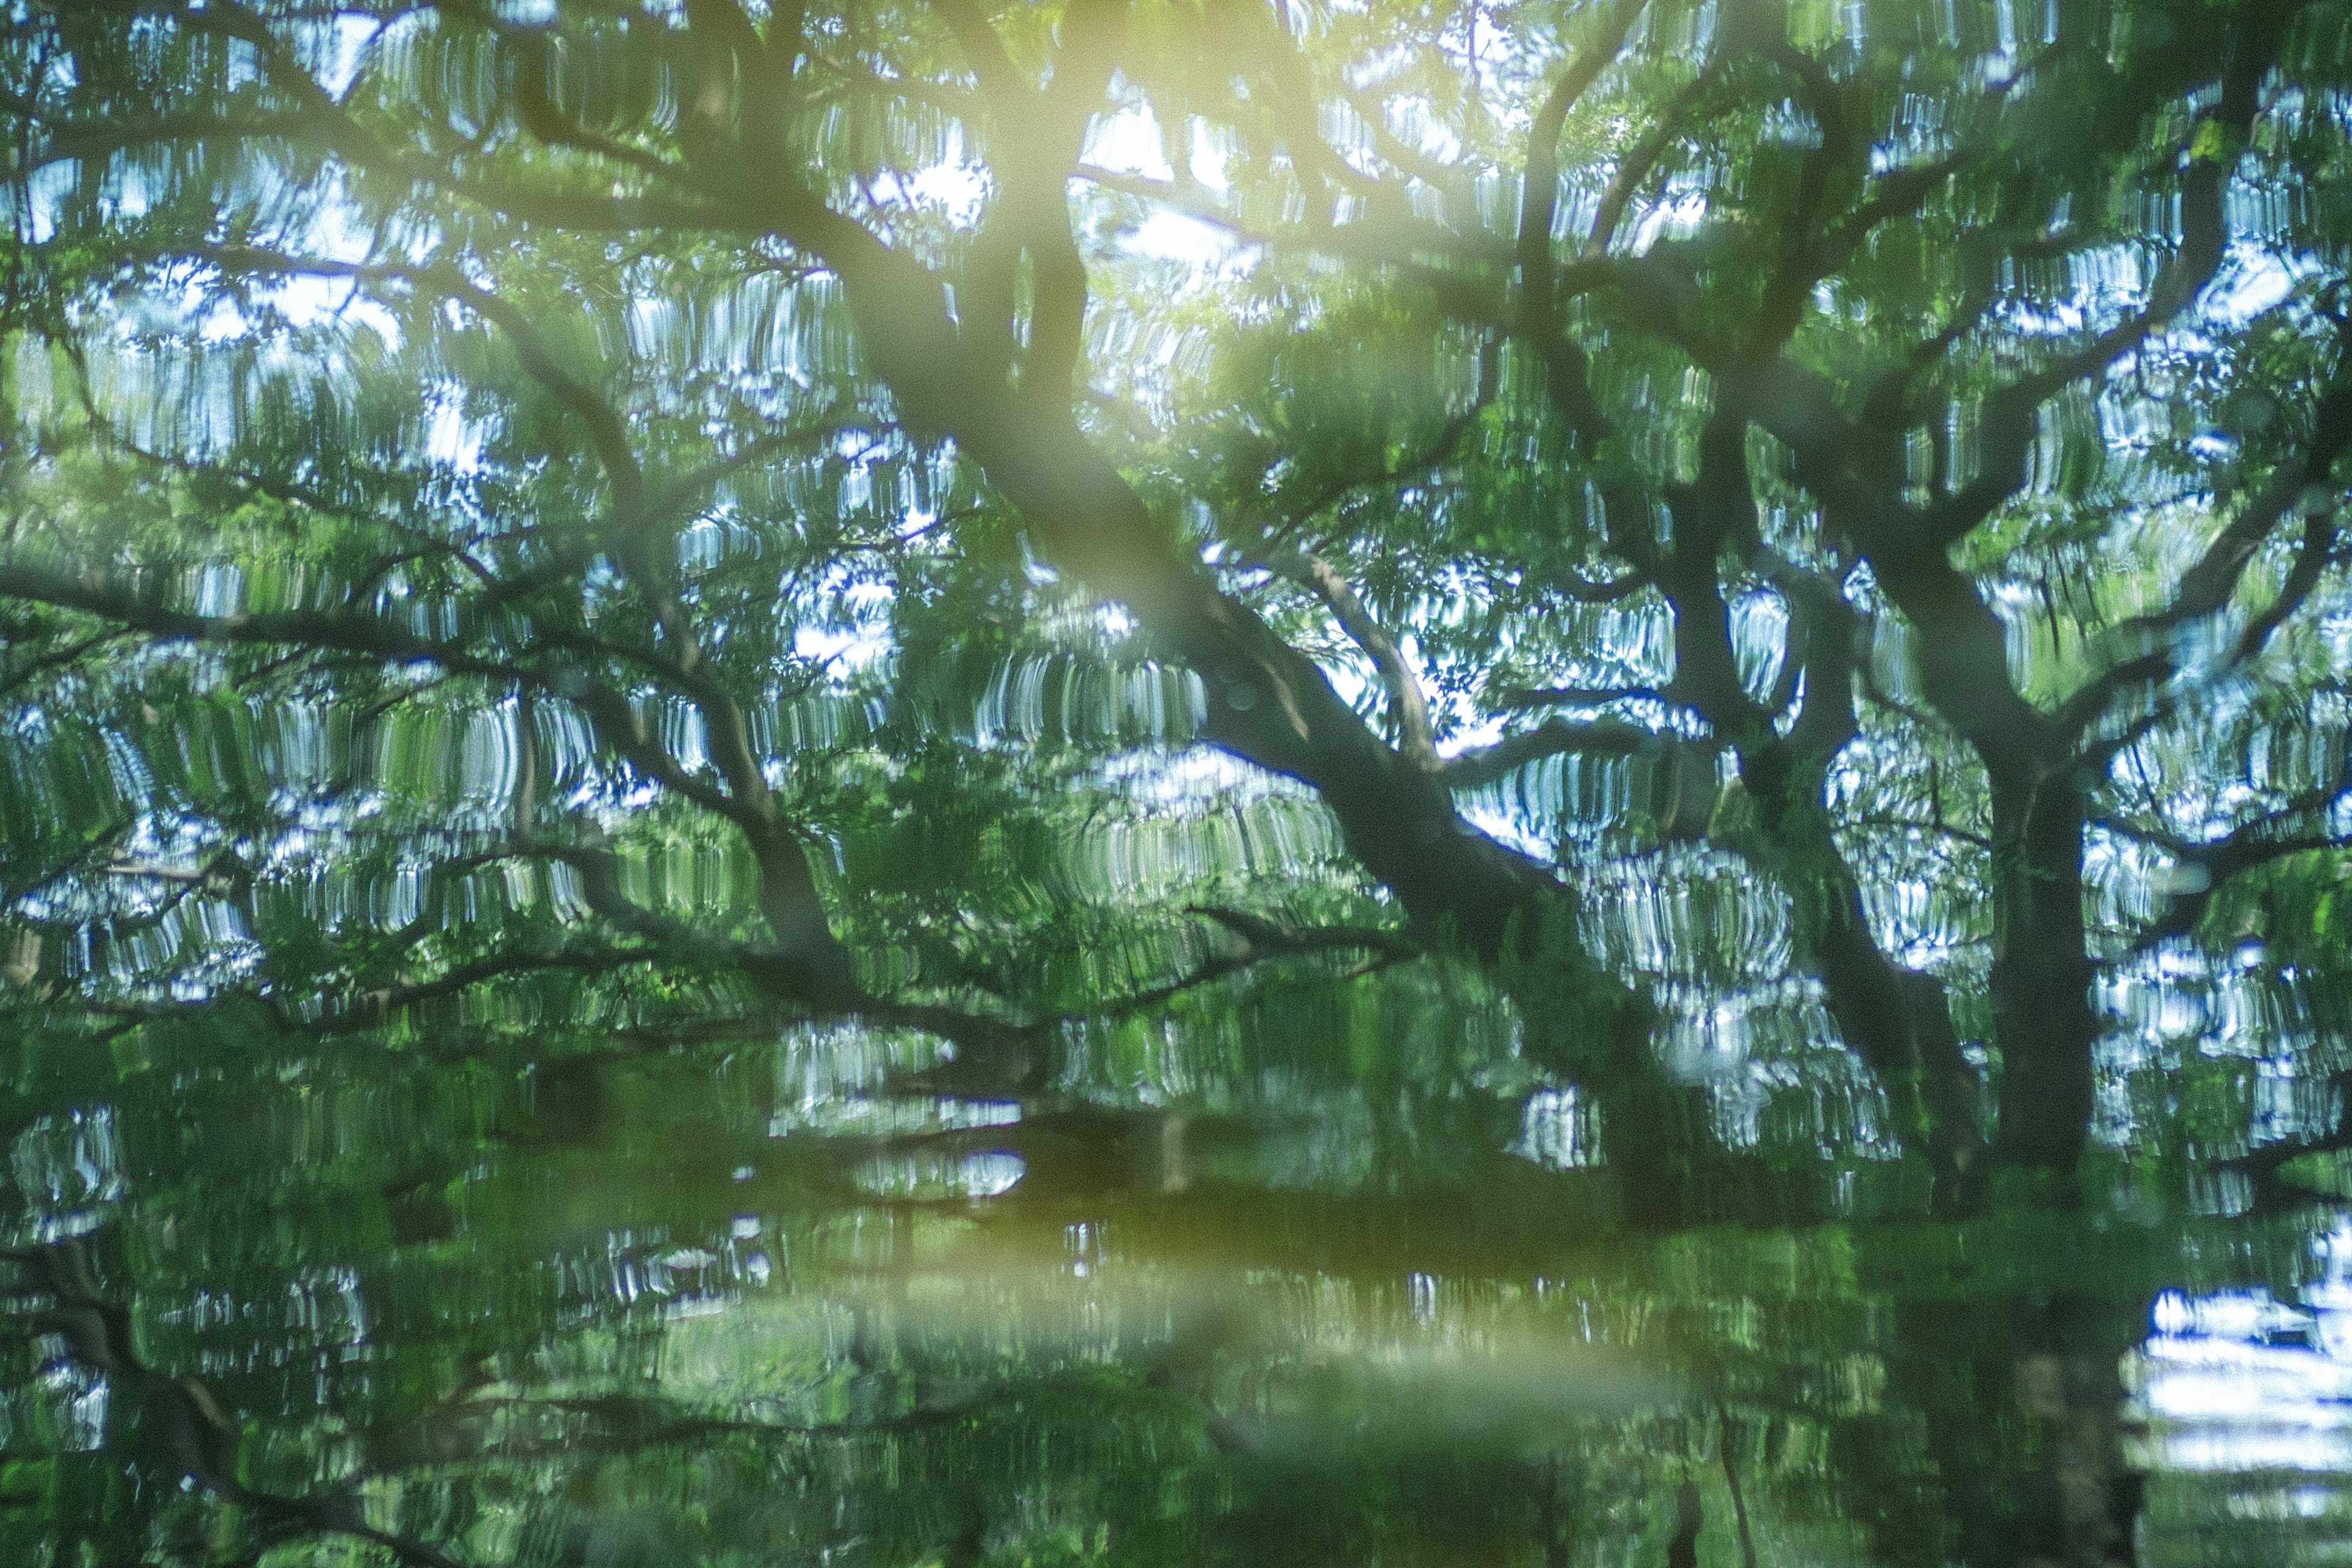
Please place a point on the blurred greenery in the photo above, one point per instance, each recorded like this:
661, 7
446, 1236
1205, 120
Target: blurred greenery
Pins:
1192, 780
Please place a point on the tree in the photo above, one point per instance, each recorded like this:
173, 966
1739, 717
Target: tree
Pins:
471, 463
1415, 627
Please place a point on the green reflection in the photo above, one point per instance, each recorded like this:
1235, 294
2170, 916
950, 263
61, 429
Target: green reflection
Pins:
1002, 781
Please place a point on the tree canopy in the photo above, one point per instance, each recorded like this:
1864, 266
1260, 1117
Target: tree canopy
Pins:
1663, 610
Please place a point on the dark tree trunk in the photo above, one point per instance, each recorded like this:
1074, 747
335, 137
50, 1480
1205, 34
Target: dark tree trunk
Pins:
2043, 1017
1900, 1024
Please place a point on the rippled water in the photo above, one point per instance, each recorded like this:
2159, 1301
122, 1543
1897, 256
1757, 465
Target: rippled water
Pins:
2240, 1411
1344, 1266
321, 1306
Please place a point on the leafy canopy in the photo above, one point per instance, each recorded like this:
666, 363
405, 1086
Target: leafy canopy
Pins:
1642, 610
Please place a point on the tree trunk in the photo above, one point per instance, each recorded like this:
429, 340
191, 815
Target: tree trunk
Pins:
2043, 1017
1898, 1021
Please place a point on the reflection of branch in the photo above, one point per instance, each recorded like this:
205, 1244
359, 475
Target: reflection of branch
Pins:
1540, 186
2276, 835
1604, 738
1910, 824
630, 1424
1260, 941
1408, 705
787, 884
1269, 703
1189, 201
1963, 659
1724, 1432
1899, 191
1039, 135
608, 428
1781, 309
1407, 159
1637, 163
1017, 1045
1440, 446
335, 125
607, 425
787, 895
56, 658
1263, 938
2264, 1164
72, 141
1389, 242
369, 1008
193, 1427
687, 489
2302, 485
1001, 81
102, 843
1584, 591
348, 631
1570, 696
1289, 100
541, 117
2010, 422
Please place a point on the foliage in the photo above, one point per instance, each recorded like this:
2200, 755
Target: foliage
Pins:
1649, 611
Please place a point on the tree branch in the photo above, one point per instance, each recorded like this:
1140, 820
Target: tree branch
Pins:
1540, 186
1408, 705
185, 1419
1600, 738
1636, 166
2304, 486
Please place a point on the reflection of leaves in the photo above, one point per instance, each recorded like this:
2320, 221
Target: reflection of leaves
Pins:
2327, 1173
633, 627
183, 1422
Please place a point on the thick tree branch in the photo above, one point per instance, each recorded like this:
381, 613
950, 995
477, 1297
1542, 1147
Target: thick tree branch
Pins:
1540, 186
1557, 737
1408, 704
1793, 279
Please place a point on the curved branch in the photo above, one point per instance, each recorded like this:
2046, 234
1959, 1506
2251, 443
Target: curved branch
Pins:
2010, 414
1408, 704
2304, 486
1801, 266
2276, 836
1577, 589
1540, 186
1524, 697
1600, 738
183, 1418
1638, 161
1259, 940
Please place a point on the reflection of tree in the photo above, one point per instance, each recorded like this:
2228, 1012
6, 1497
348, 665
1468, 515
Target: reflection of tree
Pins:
1703, 543
994, 1402
179, 1419
971, 1440
2021, 1400
620, 257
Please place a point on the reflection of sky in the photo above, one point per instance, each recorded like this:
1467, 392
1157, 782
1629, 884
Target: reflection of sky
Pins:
2239, 1381
1130, 142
